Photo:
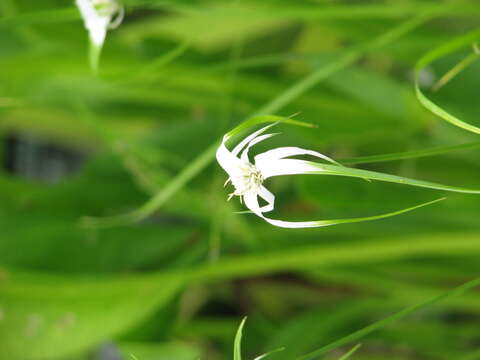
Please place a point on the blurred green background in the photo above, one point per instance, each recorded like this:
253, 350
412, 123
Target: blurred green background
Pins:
175, 282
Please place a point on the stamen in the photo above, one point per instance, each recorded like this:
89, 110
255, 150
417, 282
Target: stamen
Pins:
249, 180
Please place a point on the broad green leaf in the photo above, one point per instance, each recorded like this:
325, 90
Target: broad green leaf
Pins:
49, 316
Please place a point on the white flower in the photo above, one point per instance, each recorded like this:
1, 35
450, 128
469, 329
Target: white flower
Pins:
99, 16
248, 177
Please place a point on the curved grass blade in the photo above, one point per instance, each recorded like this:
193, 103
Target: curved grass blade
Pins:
433, 55
321, 223
237, 345
384, 322
261, 119
327, 169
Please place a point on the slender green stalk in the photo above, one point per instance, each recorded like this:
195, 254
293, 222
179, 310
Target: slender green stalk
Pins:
457, 69
350, 352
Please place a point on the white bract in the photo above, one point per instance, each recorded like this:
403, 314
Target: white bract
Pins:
248, 177
99, 16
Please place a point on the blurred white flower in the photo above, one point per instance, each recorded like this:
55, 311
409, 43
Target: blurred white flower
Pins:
99, 16
248, 177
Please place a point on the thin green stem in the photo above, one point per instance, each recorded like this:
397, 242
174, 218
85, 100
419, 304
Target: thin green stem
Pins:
462, 65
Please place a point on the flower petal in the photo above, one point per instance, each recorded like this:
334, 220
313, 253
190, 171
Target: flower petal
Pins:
95, 24
117, 20
283, 152
287, 167
268, 197
236, 150
251, 201
256, 140
229, 162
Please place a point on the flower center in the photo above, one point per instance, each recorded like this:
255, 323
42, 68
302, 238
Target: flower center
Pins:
249, 179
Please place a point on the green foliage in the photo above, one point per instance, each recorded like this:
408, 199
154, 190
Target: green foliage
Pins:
136, 251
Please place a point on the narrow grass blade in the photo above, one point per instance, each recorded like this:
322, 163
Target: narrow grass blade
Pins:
158, 63
350, 353
261, 119
237, 345
321, 223
384, 322
457, 69
430, 57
